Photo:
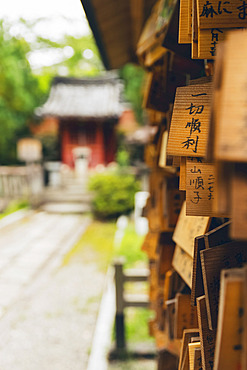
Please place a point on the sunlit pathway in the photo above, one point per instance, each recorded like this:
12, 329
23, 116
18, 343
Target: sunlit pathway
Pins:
47, 312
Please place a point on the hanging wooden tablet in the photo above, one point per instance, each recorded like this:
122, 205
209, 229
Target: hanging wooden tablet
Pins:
184, 353
165, 251
166, 291
184, 36
216, 100
183, 263
228, 348
150, 155
166, 360
197, 288
156, 97
174, 201
176, 161
244, 334
192, 348
222, 189
231, 128
201, 80
187, 228
185, 315
163, 148
190, 19
182, 174
150, 244
190, 120
208, 41
221, 14
194, 45
173, 284
197, 359
239, 202
153, 283
170, 318
207, 336
213, 260
219, 235
200, 185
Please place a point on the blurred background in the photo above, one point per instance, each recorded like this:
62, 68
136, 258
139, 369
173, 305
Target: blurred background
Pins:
73, 186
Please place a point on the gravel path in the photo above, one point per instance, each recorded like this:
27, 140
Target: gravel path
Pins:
49, 321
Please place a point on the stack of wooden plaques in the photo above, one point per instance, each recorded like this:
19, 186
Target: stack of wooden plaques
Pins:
204, 24
197, 209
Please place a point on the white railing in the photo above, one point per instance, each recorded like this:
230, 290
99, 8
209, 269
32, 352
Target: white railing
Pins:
24, 182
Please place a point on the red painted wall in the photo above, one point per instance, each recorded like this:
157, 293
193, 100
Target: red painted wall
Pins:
98, 136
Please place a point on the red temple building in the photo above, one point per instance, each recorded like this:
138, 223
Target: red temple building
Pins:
86, 112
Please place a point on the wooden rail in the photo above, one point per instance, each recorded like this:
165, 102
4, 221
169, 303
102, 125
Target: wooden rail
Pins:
124, 300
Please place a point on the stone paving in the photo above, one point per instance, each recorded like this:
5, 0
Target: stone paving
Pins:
47, 312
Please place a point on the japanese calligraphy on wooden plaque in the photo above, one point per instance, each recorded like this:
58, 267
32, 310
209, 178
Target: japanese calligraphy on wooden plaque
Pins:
222, 13
190, 121
208, 41
200, 183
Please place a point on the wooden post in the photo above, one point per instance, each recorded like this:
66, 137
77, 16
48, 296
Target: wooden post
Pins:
119, 319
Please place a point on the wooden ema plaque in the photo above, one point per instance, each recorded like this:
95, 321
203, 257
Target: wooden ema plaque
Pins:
221, 14
185, 315
208, 41
174, 201
194, 44
184, 352
197, 359
213, 260
153, 284
207, 336
184, 30
219, 235
213, 238
239, 202
150, 244
231, 139
170, 317
200, 185
197, 288
228, 348
244, 335
192, 348
173, 284
222, 189
155, 96
183, 263
190, 121
163, 148
165, 252
182, 174
187, 228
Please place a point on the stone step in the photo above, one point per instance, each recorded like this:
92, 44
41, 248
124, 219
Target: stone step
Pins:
65, 207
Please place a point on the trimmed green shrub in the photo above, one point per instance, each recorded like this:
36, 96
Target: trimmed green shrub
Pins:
113, 194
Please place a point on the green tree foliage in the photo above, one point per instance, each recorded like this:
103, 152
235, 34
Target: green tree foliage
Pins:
19, 93
133, 77
113, 194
